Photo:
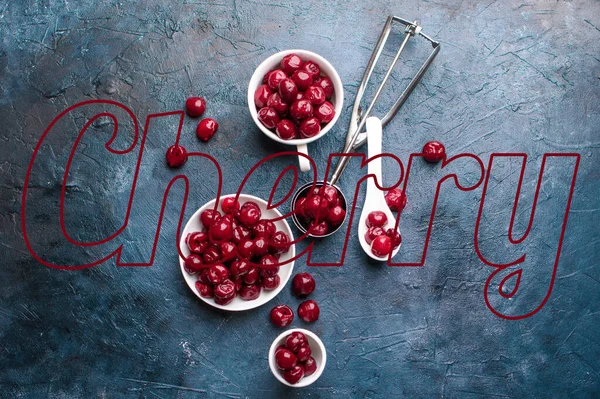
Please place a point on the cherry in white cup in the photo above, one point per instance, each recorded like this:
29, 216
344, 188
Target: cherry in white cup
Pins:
337, 99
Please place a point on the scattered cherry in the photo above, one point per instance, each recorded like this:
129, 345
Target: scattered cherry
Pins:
195, 106
303, 284
281, 316
309, 310
176, 156
434, 151
206, 129
395, 199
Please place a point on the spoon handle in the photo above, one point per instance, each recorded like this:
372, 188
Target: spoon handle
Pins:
374, 138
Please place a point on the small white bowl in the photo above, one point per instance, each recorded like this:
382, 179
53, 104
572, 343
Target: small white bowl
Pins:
285, 271
337, 100
318, 353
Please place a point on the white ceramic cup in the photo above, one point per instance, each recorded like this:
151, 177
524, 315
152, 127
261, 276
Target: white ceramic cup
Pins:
337, 99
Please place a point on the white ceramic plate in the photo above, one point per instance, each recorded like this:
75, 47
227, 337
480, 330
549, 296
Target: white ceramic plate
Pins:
285, 271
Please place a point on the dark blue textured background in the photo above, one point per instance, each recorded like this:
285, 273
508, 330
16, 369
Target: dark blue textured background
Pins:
512, 76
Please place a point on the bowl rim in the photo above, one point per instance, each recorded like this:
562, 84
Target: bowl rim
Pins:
256, 79
306, 381
250, 304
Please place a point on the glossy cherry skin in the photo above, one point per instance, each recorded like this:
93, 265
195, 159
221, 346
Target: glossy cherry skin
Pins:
221, 230
239, 267
277, 103
395, 236
303, 284
229, 205
312, 68
249, 214
318, 229
381, 245
331, 195
395, 199
336, 215
325, 112
206, 129
211, 255
294, 374
309, 311
310, 366
217, 274
291, 63
372, 233
268, 117
302, 79
269, 283
228, 251
315, 94
316, 207
224, 292
295, 340
195, 106
434, 151
304, 352
261, 96
208, 217
203, 276
193, 264
264, 228
286, 129
280, 243
269, 265
285, 359
261, 246
204, 290
301, 109
246, 249
310, 127
299, 207
327, 85
249, 292
281, 316
275, 77
240, 233
376, 218
252, 276
197, 242
288, 90
176, 156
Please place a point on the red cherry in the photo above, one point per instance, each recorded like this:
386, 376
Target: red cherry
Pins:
310, 127
193, 264
395, 199
434, 151
269, 261
249, 214
208, 217
376, 218
206, 129
312, 68
318, 229
221, 230
310, 366
372, 233
224, 292
336, 215
277, 103
294, 374
197, 242
228, 251
239, 267
303, 284
268, 117
299, 207
301, 109
211, 255
280, 243
285, 359
327, 85
315, 94
381, 245
331, 195
176, 156
195, 106
288, 90
395, 236
203, 276
204, 290
246, 249
303, 79
303, 353
275, 77
264, 228
269, 283
261, 95
295, 340
249, 292
239, 283
316, 207
252, 276
325, 112
217, 274
309, 311
261, 246
230, 205
291, 63
240, 233
281, 316
286, 130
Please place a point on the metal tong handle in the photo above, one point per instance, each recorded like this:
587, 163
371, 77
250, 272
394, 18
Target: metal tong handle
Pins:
352, 140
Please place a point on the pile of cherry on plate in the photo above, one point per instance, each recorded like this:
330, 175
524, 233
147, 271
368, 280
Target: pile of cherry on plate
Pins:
292, 101
236, 254
321, 211
294, 358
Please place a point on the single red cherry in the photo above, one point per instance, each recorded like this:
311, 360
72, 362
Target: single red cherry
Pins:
304, 352
269, 262
331, 195
434, 151
310, 366
176, 156
285, 359
325, 112
208, 217
261, 246
277, 103
309, 311
310, 127
221, 230
195, 106
249, 292
239, 267
274, 78
294, 374
264, 228
381, 245
193, 264
316, 207
246, 249
229, 205
268, 117
249, 214
299, 207
295, 340
224, 292
266, 77
372, 233
336, 215
303, 79
203, 276
395, 199
240, 233
301, 109
318, 229
280, 243
206, 129
204, 290
395, 236
217, 274
211, 255
261, 96
197, 242
303, 284
377, 219
327, 85
228, 251
269, 283
291, 63
288, 90
312, 68
286, 130
281, 316
315, 94
251, 277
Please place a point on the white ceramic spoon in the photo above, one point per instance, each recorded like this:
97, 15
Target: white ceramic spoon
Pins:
375, 198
